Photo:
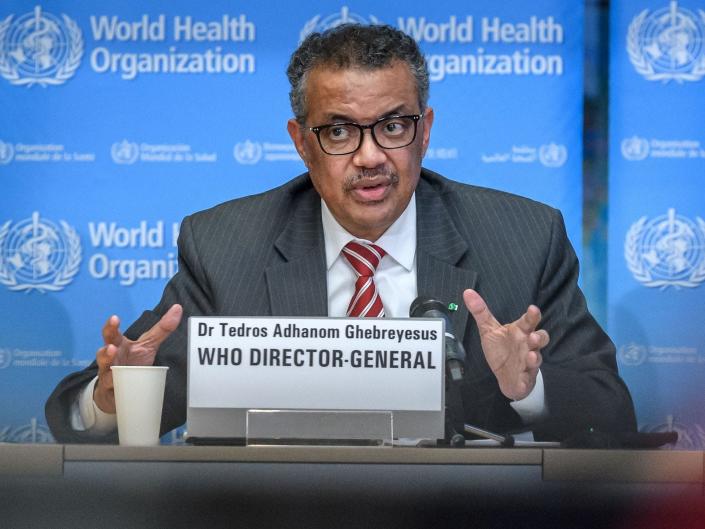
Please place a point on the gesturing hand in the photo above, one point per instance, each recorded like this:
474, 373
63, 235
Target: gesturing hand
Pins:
119, 350
513, 350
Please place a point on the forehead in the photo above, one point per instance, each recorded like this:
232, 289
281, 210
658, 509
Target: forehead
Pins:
360, 94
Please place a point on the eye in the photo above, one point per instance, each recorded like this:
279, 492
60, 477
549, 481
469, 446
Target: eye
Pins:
338, 132
394, 127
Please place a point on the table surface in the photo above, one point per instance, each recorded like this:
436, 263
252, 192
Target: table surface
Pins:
656, 466
307, 486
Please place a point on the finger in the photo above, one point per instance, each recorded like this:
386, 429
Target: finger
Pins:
103, 393
538, 339
485, 320
530, 319
105, 358
533, 360
111, 331
164, 327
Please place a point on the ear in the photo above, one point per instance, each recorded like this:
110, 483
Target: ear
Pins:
297, 136
426, 129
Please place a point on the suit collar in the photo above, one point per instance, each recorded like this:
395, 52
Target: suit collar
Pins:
303, 231
436, 231
441, 250
297, 284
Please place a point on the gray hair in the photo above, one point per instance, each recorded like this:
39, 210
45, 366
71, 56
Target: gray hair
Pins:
354, 46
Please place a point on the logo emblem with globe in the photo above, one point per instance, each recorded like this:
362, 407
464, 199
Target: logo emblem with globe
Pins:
632, 354
36, 254
635, 148
690, 436
319, 24
26, 433
247, 152
5, 358
7, 151
125, 152
667, 251
667, 45
39, 48
553, 155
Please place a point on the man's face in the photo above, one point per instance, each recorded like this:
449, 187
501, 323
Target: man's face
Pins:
366, 190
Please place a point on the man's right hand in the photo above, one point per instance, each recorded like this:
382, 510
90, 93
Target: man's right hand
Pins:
119, 350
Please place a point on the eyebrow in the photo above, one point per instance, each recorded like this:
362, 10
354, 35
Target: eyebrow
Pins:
342, 118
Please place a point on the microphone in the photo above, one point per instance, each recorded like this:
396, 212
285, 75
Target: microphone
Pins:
425, 307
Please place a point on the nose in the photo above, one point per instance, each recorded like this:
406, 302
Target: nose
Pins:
369, 154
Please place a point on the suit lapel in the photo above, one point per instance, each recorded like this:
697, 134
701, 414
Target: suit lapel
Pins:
440, 252
297, 286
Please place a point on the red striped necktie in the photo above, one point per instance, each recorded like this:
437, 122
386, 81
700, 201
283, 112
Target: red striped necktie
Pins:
364, 258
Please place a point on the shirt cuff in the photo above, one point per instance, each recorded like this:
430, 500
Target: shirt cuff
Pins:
532, 408
94, 419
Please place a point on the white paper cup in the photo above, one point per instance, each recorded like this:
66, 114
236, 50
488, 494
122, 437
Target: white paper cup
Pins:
139, 396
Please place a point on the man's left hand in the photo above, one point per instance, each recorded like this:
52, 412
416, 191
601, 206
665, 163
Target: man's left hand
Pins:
513, 350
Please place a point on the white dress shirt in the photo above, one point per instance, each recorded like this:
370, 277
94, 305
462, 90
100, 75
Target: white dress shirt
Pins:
395, 279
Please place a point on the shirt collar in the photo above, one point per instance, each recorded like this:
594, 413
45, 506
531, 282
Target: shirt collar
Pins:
399, 241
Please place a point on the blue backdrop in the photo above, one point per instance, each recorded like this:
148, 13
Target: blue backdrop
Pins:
117, 119
656, 293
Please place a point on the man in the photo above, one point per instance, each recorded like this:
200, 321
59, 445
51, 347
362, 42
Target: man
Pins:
362, 125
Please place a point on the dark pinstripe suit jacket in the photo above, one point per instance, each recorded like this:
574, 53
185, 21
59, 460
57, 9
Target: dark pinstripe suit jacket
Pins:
264, 255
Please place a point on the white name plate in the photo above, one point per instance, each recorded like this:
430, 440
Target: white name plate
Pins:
316, 363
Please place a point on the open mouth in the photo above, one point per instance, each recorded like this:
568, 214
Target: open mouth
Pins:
371, 191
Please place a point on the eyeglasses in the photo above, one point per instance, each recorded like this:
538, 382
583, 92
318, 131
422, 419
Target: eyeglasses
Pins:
393, 132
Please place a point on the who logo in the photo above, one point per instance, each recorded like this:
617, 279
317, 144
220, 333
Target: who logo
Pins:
7, 152
553, 155
34, 432
635, 148
5, 358
667, 45
691, 436
39, 48
247, 152
125, 152
667, 251
632, 354
36, 254
318, 24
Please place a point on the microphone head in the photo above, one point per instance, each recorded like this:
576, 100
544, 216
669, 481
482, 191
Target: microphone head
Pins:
424, 304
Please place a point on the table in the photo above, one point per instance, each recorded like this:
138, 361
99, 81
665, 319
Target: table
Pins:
76, 486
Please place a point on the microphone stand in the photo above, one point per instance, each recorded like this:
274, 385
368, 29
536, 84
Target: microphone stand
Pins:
454, 419
425, 307
505, 441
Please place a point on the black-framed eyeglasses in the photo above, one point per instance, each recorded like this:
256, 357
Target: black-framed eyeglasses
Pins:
393, 132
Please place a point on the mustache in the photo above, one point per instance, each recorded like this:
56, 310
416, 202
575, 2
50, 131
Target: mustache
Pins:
380, 175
